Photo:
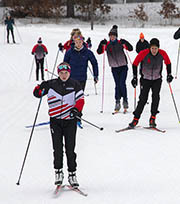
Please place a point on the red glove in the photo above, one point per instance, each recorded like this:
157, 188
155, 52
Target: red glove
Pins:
37, 91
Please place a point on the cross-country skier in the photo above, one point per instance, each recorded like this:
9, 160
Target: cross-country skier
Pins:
40, 51
78, 57
9, 22
65, 100
118, 62
142, 44
177, 34
151, 78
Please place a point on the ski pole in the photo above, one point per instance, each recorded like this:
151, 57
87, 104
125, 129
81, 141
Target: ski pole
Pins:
103, 82
55, 63
18, 182
177, 61
31, 68
47, 67
95, 88
100, 128
18, 33
128, 57
134, 98
174, 102
51, 72
94, 82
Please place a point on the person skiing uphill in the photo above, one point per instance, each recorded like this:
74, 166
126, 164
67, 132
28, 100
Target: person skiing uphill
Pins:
151, 78
40, 51
142, 44
118, 63
78, 57
65, 100
9, 22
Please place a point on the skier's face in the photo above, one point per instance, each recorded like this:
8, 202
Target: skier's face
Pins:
112, 37
78, 43
64, 75
154, 50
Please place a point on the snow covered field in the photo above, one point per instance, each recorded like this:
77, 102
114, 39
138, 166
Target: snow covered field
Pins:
134, 167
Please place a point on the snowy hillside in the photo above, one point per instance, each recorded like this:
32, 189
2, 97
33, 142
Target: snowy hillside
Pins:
135, 167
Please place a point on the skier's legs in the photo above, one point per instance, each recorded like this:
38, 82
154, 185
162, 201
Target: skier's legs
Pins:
41, 62
70, 127
123, 77
156, 87
12, 33
57, 141
145, 87
7, 35
116, 76
37, 69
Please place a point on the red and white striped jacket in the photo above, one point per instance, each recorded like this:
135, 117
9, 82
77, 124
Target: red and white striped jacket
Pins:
62, 97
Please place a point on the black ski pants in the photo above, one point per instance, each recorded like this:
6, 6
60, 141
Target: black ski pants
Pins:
146, 85
12, 33
64, 129
39, 65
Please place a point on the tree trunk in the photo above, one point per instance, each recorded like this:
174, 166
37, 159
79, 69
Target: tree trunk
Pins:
70, 8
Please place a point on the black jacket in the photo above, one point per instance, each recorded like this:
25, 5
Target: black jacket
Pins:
141, 45
177, 34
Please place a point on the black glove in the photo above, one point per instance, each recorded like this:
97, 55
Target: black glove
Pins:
103, 42
88, 41
134, 82
61, 47
32, 53
74, 112
169, 78
95, 80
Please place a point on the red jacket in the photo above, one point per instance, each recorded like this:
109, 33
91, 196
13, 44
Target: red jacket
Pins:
39, 51
151, 66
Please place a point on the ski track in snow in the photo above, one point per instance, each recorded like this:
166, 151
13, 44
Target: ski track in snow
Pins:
133, 167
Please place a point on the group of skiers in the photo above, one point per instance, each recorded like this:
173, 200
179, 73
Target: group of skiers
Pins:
66, 93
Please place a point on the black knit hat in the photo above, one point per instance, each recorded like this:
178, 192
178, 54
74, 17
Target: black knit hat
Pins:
39, 40
114, 31
154, 41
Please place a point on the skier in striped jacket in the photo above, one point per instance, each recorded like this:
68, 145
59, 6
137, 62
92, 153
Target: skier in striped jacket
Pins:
66, 101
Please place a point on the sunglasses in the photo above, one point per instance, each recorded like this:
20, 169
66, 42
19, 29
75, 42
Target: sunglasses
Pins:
61, 67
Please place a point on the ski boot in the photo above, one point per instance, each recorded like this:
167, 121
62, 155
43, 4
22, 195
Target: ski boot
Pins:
72, 179
59, 176
152, 122
125, 106
117, 106
134, 122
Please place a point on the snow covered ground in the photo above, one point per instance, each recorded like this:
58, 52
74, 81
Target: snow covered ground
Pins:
134, 167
